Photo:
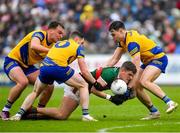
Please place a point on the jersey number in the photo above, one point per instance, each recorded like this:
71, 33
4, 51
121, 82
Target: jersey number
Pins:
57, 45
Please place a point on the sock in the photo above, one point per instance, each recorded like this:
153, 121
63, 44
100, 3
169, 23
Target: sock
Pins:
21, 112
85, 111
166, 99
7, 106
153, 109
41, 105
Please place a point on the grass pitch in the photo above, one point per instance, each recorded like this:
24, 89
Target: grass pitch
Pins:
112, 118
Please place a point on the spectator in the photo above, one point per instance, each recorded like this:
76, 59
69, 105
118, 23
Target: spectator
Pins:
159, 20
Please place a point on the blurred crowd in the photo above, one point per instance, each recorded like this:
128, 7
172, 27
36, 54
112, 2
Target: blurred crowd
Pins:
158, 19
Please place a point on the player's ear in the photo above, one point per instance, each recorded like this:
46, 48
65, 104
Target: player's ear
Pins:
82, 41
76, 38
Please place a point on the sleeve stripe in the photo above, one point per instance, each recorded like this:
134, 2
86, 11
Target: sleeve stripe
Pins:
133, 48
39, 35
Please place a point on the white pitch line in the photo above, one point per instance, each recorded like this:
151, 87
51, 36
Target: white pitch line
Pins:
104, 130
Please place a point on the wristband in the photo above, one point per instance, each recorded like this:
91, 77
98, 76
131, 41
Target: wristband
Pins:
108, 96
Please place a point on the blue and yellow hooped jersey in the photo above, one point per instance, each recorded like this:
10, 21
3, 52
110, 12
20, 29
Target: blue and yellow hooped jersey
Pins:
64, 53
136, 43
23, 54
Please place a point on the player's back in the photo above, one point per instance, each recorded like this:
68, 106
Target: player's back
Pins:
148, 48
109, 74
65, 52
24, 54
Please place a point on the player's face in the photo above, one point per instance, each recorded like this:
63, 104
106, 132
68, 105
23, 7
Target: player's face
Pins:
57, 34
127, 76
118, 35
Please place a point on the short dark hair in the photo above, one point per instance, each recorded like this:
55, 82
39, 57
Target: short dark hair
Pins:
115, 25
76, 34
129, 66
55, 24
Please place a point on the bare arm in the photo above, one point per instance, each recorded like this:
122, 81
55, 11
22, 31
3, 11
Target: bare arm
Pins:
84, 70
36, 45
100, 94
116, 57
136, 60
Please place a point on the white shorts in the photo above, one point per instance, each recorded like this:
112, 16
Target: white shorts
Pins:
68, 91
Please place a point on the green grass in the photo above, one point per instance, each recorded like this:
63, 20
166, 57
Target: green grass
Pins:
124, 118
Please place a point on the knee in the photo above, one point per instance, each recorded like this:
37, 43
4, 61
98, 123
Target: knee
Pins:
23, 83
83, 84
60, 116
143, 82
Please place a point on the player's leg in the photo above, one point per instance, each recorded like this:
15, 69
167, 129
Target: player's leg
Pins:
148, 76
46, 94
145, 99
78, 82
68, 105
17, 75
28, 102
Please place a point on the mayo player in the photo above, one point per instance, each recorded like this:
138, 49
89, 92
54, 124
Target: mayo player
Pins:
71, 97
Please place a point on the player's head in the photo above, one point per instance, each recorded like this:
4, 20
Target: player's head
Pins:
55, 31
127, 71
77, 37
117, 30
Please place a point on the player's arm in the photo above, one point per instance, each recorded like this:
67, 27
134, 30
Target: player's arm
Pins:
35, 43
116, 57
136, 60
100, 94
116, 99
134, 51
84, 70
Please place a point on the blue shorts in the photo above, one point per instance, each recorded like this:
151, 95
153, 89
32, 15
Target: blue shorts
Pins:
160, 63
49, 74
10, 63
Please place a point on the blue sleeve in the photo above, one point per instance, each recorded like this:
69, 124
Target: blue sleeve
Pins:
133, 48
39, 35
80, 51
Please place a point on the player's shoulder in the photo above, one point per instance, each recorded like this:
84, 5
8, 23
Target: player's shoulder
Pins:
111, 69
41, 34
72, 41
132, 33
132, 36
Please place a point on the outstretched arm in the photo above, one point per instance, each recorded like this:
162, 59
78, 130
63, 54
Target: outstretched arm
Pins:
116, 99
136, 61
84, 70
100, 94
116, 57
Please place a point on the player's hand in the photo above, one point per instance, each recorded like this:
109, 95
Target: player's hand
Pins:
101, 81
117, 99
129, 94
98, 86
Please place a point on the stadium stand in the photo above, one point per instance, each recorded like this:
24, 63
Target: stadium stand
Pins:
159, 19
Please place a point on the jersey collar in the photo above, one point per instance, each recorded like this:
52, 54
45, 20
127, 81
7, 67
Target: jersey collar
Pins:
125, 38
48, 43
